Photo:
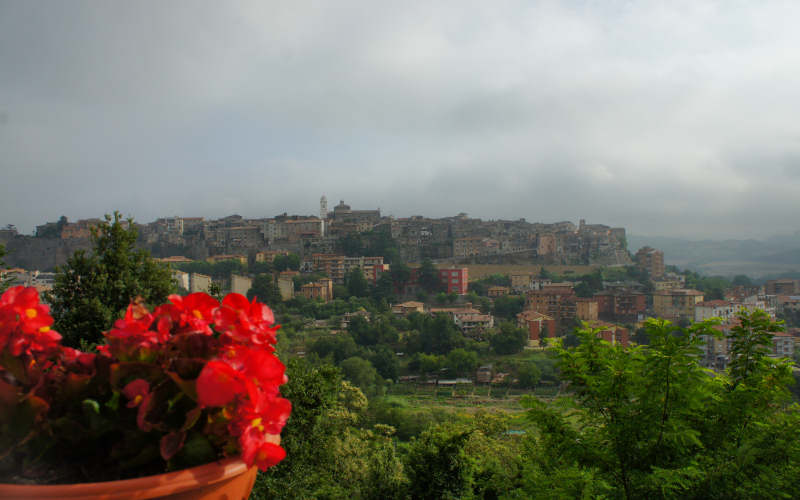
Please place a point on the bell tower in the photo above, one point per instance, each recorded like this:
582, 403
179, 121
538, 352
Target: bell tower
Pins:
323, 213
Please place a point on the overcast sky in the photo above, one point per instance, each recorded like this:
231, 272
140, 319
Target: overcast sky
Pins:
666, 118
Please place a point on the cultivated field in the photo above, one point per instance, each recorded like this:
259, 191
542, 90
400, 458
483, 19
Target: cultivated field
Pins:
467, 397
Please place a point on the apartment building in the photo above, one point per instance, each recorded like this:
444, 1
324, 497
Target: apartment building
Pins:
199, 282
782, 287
676, 304
727, 310
240, 284
650, 260
557, 302
620, 305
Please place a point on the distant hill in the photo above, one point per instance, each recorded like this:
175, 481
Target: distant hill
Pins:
772, 257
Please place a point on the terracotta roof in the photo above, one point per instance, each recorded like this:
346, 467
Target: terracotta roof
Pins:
475, 317
531, 315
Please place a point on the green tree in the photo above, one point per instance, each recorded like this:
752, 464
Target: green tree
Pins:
439, 465
439, 335
327, 454
5, 283
338, 347
401, 274
286, 262
649, 421
385, 361
427, 363
356, 283
94, 288
528, 374
384, 288
360, 372
461, 363
378, 331
428, 277
265, 288
508, 306
509, 339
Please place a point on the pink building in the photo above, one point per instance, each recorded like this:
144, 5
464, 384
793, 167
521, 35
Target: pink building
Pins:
454, 279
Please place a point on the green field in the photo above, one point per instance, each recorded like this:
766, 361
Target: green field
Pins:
466, 397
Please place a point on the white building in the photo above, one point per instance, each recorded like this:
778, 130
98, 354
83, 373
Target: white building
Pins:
717, 309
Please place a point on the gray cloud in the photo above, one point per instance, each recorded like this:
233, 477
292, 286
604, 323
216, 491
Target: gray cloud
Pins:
674, 119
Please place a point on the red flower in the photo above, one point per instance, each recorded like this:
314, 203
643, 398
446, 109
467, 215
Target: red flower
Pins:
79, 361
248, 322
218, 384
136, 391
25, 323
138, 394
137, 320
261, 449
191, 313
133, 333
265, 368
267, 412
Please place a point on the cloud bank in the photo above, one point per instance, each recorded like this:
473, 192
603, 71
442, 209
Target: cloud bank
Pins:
671, 119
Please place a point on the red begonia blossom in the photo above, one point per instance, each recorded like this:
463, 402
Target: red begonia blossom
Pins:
192, 313
261, 449
248, 322
25, 323
138, 394
218, 384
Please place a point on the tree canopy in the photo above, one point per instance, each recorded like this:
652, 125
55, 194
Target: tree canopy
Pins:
94, 288
4, 282
650, 421
509, 339
265, 288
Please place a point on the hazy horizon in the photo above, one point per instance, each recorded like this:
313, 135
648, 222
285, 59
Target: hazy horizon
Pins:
666, 119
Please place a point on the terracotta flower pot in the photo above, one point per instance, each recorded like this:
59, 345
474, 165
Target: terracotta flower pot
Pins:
226, 479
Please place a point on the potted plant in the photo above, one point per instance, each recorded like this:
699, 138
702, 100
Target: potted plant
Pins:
194, 385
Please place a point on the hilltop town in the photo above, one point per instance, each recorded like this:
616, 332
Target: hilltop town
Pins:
459, 239
544, 279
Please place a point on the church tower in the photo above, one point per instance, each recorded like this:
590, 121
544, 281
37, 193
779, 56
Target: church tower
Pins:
323, 213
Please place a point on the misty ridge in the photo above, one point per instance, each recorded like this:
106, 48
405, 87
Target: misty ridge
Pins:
772, 257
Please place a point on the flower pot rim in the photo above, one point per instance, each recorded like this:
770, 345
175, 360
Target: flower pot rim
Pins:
156, 486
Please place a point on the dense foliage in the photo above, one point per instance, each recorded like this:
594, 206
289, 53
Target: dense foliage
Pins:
94, 288
4, 282
651, 422
630, 422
